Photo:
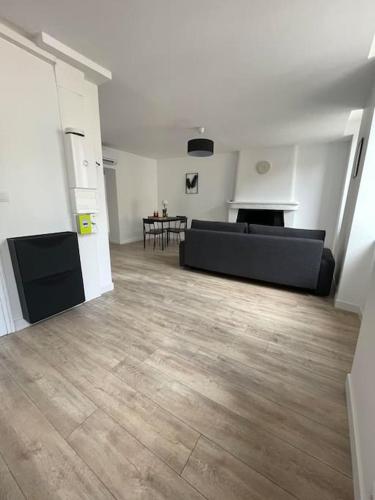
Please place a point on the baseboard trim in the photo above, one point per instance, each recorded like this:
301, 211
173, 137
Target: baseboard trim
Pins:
133, 239
107, 288
347, 306
20, 324
358, 481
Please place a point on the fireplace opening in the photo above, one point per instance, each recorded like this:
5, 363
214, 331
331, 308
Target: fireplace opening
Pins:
264, 217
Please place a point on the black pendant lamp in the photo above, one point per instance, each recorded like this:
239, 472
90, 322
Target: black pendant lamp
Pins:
200, 147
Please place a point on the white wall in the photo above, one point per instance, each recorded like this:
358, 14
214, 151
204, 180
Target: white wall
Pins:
136, 181
216, 185
39, 96
32, 169
353, 189
357, 292
346, 210
93, 134
276, 185
313, 175
319, 186
362, 399
359, 229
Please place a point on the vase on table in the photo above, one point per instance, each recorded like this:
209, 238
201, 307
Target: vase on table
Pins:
165, 205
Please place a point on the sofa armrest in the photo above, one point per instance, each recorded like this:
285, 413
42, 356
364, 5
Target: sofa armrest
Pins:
327, 268
182, 253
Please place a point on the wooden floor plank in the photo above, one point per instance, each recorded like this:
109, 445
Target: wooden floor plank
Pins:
42, 462
222, 477
4, 373
167, 436
243, 341
298, 357
318, 440
295, 471
9, 489
318, 404
59, 400
236, 385
128, 469
111, 340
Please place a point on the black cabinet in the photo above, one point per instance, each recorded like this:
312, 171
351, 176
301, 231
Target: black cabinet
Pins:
47, 268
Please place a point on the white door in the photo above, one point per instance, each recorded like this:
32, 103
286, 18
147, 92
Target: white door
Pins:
112, 207
106, 194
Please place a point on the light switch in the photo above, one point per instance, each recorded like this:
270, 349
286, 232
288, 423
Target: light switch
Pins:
4, 197
94, 223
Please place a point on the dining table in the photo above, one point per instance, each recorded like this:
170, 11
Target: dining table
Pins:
162, 221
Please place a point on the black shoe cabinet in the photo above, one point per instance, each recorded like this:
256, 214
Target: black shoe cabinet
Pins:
47, 268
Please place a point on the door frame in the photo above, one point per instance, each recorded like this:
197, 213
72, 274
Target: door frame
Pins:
5, 310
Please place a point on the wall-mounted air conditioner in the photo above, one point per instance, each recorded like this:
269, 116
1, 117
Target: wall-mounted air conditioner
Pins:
109, 161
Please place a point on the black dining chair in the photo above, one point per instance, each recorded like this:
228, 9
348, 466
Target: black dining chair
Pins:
152, 230
178, 229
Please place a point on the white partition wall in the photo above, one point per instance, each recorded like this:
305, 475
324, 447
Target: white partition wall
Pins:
359, 230
76, 98
40, 96
361, 400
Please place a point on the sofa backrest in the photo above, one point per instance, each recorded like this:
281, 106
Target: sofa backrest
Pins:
287, 261
290, 232
228, 227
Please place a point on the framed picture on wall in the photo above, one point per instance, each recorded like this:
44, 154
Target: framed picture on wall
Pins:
357, 158
191, 183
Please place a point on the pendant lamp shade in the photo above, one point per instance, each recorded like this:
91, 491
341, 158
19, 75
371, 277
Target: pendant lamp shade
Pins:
200, 147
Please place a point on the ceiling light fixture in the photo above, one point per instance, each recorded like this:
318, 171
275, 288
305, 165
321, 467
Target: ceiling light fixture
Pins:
200, 147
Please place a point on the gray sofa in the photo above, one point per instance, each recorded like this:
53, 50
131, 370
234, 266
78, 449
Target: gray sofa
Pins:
280, 255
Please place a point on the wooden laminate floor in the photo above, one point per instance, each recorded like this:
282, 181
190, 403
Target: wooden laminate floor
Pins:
178, 385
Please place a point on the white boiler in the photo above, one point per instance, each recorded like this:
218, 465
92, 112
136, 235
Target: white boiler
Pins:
80, 164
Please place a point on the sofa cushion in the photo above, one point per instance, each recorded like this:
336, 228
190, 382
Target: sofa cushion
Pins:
289, 232
227, 227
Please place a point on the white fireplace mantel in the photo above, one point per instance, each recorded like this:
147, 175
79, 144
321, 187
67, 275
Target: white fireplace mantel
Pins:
287, 206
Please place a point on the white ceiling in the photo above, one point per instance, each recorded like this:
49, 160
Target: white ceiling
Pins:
253, 72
